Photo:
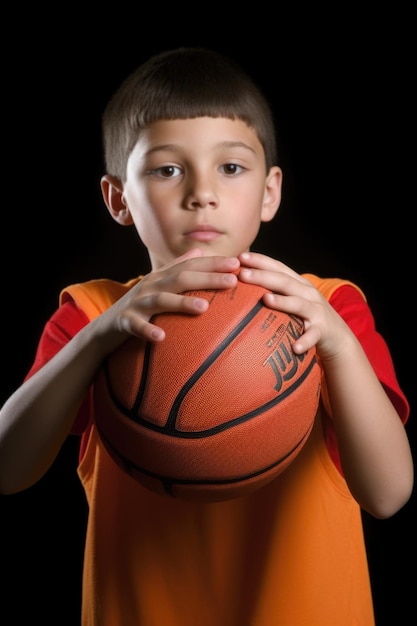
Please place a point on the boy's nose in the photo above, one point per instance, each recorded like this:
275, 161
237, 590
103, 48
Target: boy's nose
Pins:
200, 194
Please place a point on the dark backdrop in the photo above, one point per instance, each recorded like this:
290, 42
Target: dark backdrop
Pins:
342, 94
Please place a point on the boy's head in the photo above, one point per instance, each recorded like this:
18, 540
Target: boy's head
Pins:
181, 84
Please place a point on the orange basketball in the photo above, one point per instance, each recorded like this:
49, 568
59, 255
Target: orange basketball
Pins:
219, 408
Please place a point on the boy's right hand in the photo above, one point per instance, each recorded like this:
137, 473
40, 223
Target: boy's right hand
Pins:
162, 291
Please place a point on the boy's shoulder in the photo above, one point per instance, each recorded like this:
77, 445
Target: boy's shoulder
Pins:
327, 286
97, 295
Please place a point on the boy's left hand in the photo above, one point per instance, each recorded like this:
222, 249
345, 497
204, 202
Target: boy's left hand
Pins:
294, 294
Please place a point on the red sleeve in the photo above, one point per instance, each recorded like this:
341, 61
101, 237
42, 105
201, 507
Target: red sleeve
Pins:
351, 306
62, 326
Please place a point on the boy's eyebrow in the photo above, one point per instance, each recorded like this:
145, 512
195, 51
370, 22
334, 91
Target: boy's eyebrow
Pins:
176, 147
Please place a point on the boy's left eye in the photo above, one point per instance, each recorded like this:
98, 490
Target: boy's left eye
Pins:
231, 168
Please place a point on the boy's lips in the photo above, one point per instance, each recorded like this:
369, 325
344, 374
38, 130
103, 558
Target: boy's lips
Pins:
204, 232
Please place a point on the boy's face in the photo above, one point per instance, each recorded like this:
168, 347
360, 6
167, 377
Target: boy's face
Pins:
199, 183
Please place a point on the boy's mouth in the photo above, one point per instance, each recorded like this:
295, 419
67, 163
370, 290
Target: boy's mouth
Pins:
203, 232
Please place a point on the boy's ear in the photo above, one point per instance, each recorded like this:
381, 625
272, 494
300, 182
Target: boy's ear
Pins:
112, 190
272, 195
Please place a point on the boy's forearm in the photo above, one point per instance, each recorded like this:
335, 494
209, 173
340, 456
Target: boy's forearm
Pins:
372, 440
37, 418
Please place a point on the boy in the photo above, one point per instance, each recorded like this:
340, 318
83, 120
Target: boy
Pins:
190, 160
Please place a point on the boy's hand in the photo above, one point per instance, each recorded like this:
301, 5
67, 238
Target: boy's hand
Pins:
161, 291
294, 294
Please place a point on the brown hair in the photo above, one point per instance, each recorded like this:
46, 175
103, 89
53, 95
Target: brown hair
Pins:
181, 84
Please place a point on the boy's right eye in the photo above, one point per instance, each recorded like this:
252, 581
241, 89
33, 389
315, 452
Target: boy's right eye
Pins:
167, 171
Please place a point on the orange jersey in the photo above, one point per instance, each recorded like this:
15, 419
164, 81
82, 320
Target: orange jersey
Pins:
290, 554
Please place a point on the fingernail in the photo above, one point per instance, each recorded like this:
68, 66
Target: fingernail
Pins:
230, 279
200, 304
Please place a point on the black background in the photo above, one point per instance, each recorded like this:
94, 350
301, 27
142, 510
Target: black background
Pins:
342, 90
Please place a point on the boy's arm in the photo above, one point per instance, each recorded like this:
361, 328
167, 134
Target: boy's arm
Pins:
37, 418
373, 444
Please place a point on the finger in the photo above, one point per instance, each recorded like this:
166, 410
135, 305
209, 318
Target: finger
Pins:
165, 302
256, 261
137, 326
306, 341
280, 282
209, 263
142, 322
197, 273
196, 281
262, 261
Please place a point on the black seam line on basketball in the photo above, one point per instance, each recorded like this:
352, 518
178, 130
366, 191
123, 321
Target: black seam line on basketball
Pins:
179, 434
129, 466
144, 378
221, 427
173, 414
131, 413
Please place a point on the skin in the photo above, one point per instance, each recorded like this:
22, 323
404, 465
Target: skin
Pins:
197, 191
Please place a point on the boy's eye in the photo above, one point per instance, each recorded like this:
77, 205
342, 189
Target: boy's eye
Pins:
231, 168
167, 171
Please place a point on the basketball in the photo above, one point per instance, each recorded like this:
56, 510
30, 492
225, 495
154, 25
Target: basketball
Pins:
219, 408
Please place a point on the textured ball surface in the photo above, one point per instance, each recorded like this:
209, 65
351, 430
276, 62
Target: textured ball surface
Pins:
219, 408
